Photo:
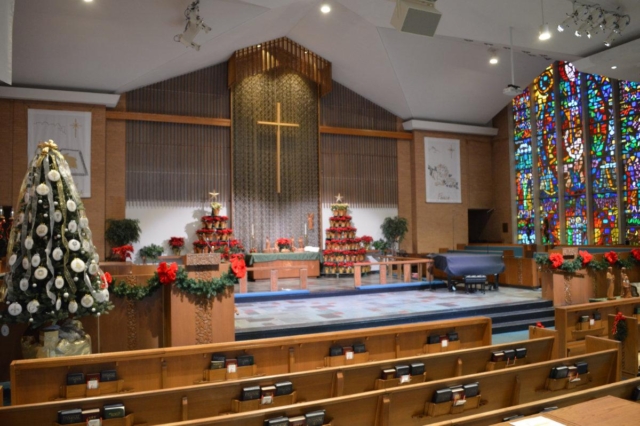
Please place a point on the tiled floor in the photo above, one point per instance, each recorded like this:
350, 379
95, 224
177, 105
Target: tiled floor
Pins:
276, 314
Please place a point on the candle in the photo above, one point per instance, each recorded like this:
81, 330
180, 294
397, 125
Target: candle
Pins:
305, 229
252, 230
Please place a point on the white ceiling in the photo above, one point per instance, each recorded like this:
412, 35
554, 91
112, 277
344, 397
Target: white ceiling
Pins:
114, 46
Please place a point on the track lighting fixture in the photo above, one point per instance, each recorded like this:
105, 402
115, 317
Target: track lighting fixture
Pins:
592, 19
544, 33
493, 56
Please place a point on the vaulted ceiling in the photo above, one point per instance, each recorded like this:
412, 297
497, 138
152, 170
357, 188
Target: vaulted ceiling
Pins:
114, 46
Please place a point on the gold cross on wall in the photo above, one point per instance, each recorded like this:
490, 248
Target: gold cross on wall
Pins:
75, 126
278, 124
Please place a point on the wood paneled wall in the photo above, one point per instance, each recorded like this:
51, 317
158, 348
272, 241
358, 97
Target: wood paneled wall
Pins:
434, 225
503, 203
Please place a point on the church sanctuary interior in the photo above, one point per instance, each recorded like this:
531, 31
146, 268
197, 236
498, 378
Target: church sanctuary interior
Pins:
319, 213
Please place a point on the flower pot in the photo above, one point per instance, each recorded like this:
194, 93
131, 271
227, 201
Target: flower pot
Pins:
215, 212
341, 269
285, 250
216, 224
176, 250
200, 237
208, 225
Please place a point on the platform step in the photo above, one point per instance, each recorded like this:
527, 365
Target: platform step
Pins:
508, 327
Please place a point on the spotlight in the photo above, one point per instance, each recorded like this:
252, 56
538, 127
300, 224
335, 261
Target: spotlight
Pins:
544, 33
194, 24
325, 8
493, 56
613, 67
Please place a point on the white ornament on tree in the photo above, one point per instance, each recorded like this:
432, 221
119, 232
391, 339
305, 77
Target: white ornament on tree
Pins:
59, 282
25, 263
42, 230
74, 245
57, 254
42, 189
41, 273
28, 243
84, 223
87, 301
32, 307
77, 265
71, 205
93, 268
24, 284
102, 296
72, 226
53, 176
57, 216
15, 309
12, 259
58, 304
73, 307
86, 245
35, 260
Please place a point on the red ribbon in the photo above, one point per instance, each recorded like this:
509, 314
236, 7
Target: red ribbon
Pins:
167, 274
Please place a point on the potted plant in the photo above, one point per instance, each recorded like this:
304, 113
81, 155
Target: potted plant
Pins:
284, 244
122, 232
394, 230
380, 245
176, 244
150, 252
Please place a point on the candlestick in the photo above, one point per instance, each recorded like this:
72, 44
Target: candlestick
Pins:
252, 230
305, 229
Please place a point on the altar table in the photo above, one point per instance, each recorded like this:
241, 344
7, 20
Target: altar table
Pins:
309, 259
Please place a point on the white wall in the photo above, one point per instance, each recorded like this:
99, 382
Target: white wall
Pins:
366, 220
159, 223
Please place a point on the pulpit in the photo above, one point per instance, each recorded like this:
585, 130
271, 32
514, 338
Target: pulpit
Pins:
567, 288
195, 320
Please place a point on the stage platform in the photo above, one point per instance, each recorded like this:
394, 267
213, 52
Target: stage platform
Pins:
332, 304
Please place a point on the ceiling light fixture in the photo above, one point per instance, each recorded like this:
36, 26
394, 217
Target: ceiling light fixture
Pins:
194, 24
592, 19
88, 1
613, 67
544, 33
325, 8
493, 56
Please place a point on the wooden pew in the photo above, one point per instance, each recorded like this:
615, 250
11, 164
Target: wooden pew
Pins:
621, 389
217, 398
630, 346
408, 405
570, 339
40, 379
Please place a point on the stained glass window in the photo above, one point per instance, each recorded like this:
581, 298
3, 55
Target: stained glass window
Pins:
570, 108
544, 108
603, 160
524, 168
630, 149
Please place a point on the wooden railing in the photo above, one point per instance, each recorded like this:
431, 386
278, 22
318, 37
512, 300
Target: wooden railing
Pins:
273, 279
406, 264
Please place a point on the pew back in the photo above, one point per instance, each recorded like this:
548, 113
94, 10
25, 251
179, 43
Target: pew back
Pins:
40, 380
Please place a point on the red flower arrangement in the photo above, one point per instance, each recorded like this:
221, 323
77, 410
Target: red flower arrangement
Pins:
123, 252
176, 242
223, 218
283, 243
556, 259
636, 254
205, 231
586, 257
107, 280
611, 257
200, 244
167, 274
366, 239
207, 219
238, 265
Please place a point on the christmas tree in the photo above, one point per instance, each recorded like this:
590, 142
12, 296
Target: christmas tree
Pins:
53, 265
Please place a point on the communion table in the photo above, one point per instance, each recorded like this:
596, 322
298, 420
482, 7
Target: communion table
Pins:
308, 259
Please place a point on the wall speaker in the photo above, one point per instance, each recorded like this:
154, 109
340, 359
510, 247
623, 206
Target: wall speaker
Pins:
416, 17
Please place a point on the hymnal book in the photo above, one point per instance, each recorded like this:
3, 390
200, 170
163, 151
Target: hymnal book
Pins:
244, 360
216, 365
597, 316
284, 388
457, 396
93, 381
218, 357
75, 379
417, 368
583, 367
509, 354
113, 411
635, 394
232, 365
335, 351
250, 393
453, 336
402, 370
278, 421
359, 348
434, 338
92, 413
266, 394
471, 389
388, 374
521, 353
108, 376
94, 422
442, 395
559, 372
497, 356
68, 417
315, 418
297, 421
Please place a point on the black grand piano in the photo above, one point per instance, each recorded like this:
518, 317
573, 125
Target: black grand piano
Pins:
473, 268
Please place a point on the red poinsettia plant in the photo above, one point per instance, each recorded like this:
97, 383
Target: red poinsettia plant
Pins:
611, 257
207, 219
122, 252
283, 243
176, 242
366, 239
238, 265
167, 273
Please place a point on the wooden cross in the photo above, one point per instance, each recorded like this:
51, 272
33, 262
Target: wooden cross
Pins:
278, 124
75, 126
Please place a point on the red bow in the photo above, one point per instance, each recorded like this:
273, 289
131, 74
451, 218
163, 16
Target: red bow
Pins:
167, 274
612, 257
106, 280
238, 266
539, 325
616, 320
556, 259
636, 254
586, 257
123, 251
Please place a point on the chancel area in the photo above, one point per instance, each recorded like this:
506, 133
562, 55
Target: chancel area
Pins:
298, 212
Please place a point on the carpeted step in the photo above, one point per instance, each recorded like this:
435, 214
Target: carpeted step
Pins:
520, 315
